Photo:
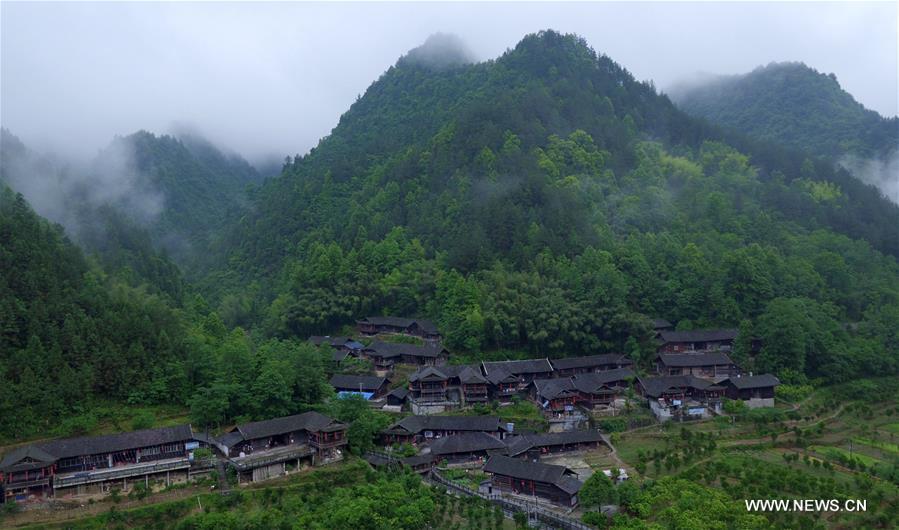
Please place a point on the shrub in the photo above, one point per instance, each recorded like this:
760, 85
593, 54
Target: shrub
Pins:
143, 420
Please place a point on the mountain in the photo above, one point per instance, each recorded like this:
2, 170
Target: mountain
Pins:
794, 104
798, 106
197, 186
548, 201
71, 330
179, 190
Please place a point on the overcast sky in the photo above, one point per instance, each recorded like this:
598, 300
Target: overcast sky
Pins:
274, 78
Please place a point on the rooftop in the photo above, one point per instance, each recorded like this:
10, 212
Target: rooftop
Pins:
590, 361
522, 469
699, 335
357, 383
684, 360
752, 381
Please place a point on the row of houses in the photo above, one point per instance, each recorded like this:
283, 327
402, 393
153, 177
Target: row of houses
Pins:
383, 355
97, 464
511, 460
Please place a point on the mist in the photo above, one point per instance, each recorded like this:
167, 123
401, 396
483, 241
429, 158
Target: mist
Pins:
63, 190
271, 79
881, 172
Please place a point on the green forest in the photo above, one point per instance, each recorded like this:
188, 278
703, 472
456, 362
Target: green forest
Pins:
794, 104
541, 204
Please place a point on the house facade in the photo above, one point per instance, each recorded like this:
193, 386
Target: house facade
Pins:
556, 484
95, 464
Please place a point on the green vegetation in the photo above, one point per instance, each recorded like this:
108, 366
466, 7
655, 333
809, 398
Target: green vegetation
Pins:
541, 204
794, 104
351, 497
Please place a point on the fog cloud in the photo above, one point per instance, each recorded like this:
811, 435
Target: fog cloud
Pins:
881, 172
271, 79
65, 192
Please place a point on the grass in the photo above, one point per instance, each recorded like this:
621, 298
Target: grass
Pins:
835, 453
883, 446
891, 427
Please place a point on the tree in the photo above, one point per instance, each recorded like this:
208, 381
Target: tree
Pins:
597, 491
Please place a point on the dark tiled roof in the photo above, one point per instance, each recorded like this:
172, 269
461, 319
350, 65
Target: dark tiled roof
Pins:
12, 461
465, 443
594, 380
429, 373
500, 375
417, 460
93, 445
553, 388
231, 439
308, 421
401, 322
522, 469
656, 386
418, 424
465, 372
700, 335
522, 443
694, 359
399, 393
357, 382
569, 484
337, 341
753, 381
395, 349
590, 362
471, 375
526, 366
339, 355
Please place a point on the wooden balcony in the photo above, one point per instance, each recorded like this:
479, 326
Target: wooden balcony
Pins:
268, 457
116, 473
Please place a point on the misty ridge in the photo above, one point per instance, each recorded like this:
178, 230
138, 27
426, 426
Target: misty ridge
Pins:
882, 172
181, 186
173, 187
796, 105
60, 189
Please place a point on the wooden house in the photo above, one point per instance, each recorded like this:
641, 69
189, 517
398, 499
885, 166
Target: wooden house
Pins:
466, 447
462, 384
594, 363
557, 484
680, 396
90, 464
525, 370
371, 387
339, 343
603, 388
696, 341
406, 326
754, 390
533, 446
414, 429
714, 366
262, 449
385, 354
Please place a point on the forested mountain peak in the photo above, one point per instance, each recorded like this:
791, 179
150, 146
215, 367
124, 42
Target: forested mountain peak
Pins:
547, 200
439, 51
793, 103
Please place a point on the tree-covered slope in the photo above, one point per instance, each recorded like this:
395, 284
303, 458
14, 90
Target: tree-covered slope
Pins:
796, 105
198, 187
548, 201
69, 331
179, 190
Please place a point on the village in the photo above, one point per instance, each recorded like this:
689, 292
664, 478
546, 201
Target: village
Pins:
433, 403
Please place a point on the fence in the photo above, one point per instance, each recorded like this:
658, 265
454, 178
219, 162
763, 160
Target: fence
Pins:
512, 506
101, 475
